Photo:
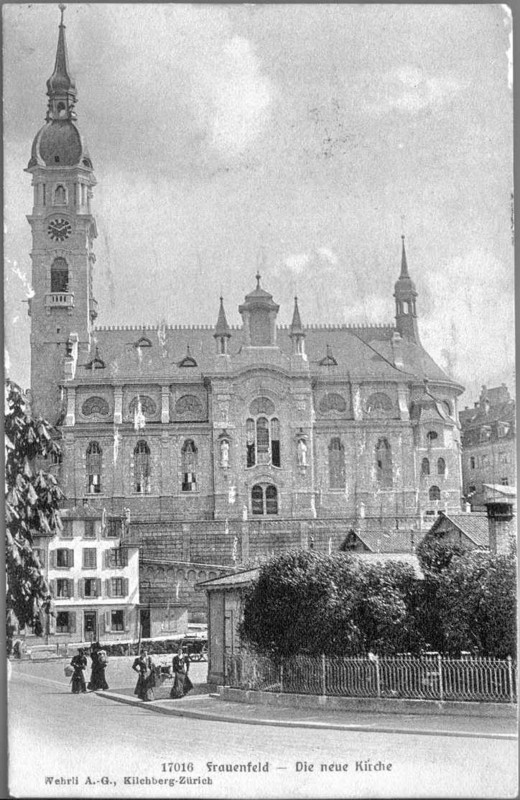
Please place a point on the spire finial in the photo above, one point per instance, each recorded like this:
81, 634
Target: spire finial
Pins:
62, 8
258, 276
404, 264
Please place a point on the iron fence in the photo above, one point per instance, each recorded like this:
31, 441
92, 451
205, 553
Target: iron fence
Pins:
427, 677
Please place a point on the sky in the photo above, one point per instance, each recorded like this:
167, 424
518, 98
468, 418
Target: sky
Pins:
297, 140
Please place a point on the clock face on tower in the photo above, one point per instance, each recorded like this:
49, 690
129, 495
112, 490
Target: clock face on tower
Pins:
59, 229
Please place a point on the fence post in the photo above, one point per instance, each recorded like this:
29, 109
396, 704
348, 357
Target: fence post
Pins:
510, 673
281, 674
323, 676
441, 687
378, 677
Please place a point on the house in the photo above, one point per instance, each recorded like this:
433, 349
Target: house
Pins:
467, 529
94, 580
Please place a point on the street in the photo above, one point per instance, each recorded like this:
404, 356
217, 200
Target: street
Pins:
64, 745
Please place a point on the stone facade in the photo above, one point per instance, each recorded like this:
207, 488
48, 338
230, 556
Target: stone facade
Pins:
489, 444
235, 433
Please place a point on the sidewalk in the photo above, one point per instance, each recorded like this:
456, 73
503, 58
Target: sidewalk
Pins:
210, 707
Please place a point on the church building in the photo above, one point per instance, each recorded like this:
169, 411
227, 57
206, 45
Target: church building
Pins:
216, 446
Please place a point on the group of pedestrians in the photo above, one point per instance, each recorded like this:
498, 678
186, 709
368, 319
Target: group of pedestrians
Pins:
149, 674
97, 676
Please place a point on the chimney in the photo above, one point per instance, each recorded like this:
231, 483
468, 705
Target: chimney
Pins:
501, 526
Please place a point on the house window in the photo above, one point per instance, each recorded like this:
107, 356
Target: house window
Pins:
117, 557
113, 528
94, 460
263, 437
485, 460
432, 436
435, 493
485, 434
65, 622
40, 555
142, 467
472, 489
425, 466
63, 588
504, 481
117, 587
441, 467
59, 275
64, 558
90, 529
336, 464
384, 464
189, 466
472, 462
89, 558
90, 587
66, 529
117, 621
264, 502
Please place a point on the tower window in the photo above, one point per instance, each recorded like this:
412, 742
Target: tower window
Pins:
94, 462
142, 467
336, 464
441, 467
434, 493
59, 275
432, 436
56, 159
384, 464
425, 466
264, 502
472, 462
263, 437
60, 196
189, 466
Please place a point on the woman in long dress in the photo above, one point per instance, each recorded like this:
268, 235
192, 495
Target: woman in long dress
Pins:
79, 664
181, 682
145, 668
99, 664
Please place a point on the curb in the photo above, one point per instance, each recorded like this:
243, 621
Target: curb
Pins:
215, 717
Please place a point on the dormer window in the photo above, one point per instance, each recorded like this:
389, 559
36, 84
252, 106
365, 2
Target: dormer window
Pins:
485, 433
188, 360
329, 360
143, 342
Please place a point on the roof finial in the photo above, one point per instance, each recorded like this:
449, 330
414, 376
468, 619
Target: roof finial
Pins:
258, 276
62, 8
404, 264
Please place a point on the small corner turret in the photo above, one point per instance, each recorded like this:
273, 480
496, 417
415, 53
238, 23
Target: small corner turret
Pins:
222, 333
405, 295
297, 333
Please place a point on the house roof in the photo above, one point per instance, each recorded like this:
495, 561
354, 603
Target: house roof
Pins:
362, 351
234, 579
386, 541
472, 524
497, 488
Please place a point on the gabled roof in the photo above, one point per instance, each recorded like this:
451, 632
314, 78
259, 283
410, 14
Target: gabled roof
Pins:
386, 541
472, 524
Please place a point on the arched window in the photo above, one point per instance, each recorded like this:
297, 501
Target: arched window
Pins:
59, 275
271, 500
189, 466
264, 502
142, 467
431, 436
336, 464
435, 493
94, 462
263, 438
425, 466
384, 464
60, 196
257, 500
441, 467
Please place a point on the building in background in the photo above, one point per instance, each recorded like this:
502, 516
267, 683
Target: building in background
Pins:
94, 580
488, 444
226, 444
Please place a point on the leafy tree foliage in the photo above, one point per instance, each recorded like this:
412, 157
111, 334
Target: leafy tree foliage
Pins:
435, 553
306, 602
32, 498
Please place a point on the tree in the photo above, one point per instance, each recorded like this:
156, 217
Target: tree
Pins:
337, 605
32, 499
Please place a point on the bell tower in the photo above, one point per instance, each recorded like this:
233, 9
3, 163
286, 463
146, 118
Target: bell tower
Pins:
405, 296
62, 308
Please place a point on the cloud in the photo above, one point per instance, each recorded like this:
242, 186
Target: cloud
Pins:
298, 262
232, 97
406, 88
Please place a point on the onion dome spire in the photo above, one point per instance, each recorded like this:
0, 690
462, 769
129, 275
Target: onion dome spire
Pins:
61, 87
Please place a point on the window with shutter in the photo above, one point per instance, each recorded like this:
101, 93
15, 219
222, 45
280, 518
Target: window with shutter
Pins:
118, 620
90, 529
125, 587
106, 617
52, 559
89, 558
108, 593
72, 622
98, 587
62, 558
71, 558
71, 588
